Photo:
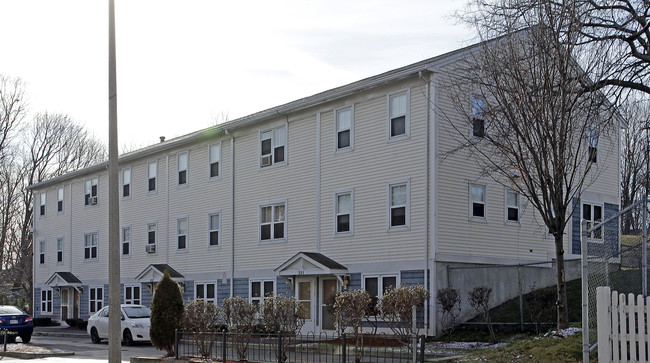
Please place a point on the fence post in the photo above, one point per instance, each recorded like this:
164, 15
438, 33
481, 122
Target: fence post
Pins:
521, 299
422, 338
585, 291
176, 342
280, 347
604, 321
224, 349
344, 348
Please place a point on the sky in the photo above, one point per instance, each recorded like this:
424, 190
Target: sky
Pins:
186, 65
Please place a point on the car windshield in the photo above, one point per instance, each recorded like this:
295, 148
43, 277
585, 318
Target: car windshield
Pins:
135, 312
10, 310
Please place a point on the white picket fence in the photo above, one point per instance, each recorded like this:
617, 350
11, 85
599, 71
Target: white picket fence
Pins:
622, 327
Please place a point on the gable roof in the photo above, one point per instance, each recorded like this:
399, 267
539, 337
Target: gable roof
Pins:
63, 279
310, 263
155, 272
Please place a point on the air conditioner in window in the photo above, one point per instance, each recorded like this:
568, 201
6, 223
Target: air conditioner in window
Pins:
150, 248
92, 200
266, 160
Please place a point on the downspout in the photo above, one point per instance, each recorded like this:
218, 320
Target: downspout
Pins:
167, 209
318, 182
232, 214
70, 232
427, 306
33, 233
434, 213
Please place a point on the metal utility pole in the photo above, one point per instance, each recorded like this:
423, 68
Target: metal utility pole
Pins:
115, 313
644, 246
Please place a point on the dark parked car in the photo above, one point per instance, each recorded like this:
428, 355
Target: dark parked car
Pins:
15, 320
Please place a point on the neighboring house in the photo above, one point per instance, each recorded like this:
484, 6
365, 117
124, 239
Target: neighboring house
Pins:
345, 189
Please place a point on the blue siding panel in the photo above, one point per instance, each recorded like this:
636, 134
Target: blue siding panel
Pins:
188, 295
241, 287
223, 290
575, 226
412, 277
282, 288
83, 303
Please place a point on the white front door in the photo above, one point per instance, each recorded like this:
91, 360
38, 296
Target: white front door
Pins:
65, 303
306, 296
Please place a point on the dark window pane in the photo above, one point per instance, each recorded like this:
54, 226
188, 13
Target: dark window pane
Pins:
278, 230
478, 210
586, 211
49, 306
214, 238
398, 126
266, 147
199, 291
343, 223
87, 199
344, 139
152, 184
128, 293
59, 206
278, 154
42, 258
59, 256
593, 154
268, 288
86, 252
125, 248
398, 216
389, 283
152, 237
92, 294
214, 170
181, 242
372, 286
94, 190
513, 214
210, 291
598, 213
255, 289
126, 190
136, 292
93, 252
42, 210
265, 231
182, 177
478, 127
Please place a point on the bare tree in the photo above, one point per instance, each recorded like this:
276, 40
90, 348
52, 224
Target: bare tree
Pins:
536, 123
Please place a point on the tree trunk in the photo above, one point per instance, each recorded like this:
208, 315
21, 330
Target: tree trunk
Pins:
561, 303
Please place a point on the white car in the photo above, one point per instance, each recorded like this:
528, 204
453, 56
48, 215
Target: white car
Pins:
135, 324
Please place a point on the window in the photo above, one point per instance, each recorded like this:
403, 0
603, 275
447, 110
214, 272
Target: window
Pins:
477, 201
377, 286
272, 222
215, 226
260, 290
90, 191
205, 291
512, 206
593, 214
132, 294
126, 241
153, 173
215, 161
398, 119
96, 299
592, 144
151, 233
399, 204
126, 183
181, 233
182, 169
343, 210
41, 252
59, 250
344, 128
90, 246
478, 116
59, 203
43, 196
273, 146
46, 301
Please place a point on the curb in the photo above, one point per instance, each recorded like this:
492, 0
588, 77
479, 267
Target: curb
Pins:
61, 334
21, 355
157, 360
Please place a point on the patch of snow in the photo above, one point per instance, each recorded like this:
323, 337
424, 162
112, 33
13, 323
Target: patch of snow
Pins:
465, 345
563, 333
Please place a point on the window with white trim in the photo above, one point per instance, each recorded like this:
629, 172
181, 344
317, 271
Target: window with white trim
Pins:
214, 221
398, 199
59, 203
126, 241
272, 222
90, 191
95, 299
181, 233
592, 144
43, 197
151, 233
345, 128
398, 115
152, 170
343, 210
41, 252
378, 285
205, 291
132, 294
183, 162
46, 301
261, 290
273, 146
593, 214
59, 250
90, 246
478, 116
126, 183
215, 161
477, 201
512, 206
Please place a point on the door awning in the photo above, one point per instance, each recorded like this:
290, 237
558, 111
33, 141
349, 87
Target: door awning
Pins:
155, 272
310, 264
62, 279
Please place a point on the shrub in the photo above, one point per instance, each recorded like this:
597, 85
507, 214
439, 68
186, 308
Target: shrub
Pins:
240, 316
166, 314
449, 302
82, 324
397, 308
42, 321
479, 298
350, 309
282, 315
71, 322
202, 317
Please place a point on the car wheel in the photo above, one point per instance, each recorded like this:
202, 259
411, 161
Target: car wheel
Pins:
94, 337
26, 338
127, 338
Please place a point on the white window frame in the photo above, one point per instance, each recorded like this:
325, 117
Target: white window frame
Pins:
186, 155
60, 248
42, 248
60, 200
133, 300
42, 210
592, 139
47, 301
211, 161
204, 285
186, 234
93, 302
407, 115
507, 206
154, 177
472, 217
273, 205
351, 212
155, 231
88, 191
473, 116
595, 236
124, 241
210, 230
350, 147
407, 206
91, 246
380, 282
274, 144
260, 299
124, 173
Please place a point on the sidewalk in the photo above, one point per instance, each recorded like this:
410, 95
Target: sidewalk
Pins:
60, 331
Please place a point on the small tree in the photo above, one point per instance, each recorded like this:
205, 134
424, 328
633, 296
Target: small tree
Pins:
479, 297
397, 308
350, 309
166, 314
282, 315
240, 316
200, 319
449, 302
